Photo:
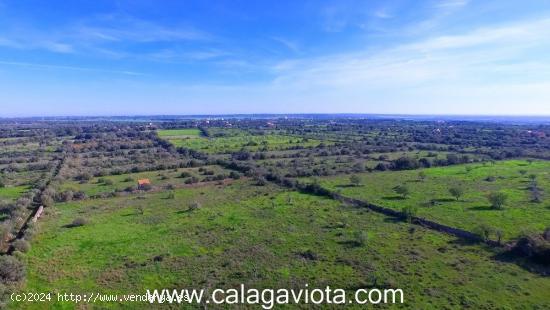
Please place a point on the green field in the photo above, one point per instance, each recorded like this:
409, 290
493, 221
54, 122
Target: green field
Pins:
263, 237
180, 133
234, 141
519, 214
12, 193
158, 178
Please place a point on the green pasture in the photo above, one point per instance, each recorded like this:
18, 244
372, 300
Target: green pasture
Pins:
262, 237
433, 201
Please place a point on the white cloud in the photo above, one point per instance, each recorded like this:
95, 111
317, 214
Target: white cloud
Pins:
127, 28
96, 34
61, 67
291, 45
382, 13
450, 3
474, 71
436, 58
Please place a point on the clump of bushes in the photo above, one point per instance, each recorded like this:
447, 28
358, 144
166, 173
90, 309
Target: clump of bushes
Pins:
234, 175
77, 222
12, 270
194, 206
260, 181
21, 245
535, 247
361, 238
192, 180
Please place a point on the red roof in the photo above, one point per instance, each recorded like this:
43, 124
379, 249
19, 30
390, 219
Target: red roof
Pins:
143, 181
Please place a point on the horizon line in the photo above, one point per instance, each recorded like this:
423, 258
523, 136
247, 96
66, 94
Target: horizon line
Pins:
274, 114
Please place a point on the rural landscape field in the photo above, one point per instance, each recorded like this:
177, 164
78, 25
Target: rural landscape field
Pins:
314, 154
456, 214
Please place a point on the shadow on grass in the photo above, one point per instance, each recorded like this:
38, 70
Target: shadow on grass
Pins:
482, 208
184, 211
463, 242
512, 258
349, 244
394, 198
347, 185
132, 214
72, 225
444, 200
392, 219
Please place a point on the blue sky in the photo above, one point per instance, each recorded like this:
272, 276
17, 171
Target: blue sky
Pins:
217, 57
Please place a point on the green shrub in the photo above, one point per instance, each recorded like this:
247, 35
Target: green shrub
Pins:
402, 190
456, 192
194, 206
361, 238
11, 270
21, 245
79, 221
484, 231
497, 200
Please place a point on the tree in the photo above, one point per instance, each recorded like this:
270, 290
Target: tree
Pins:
522, 172
355, 180
409, 212
402, 190
536, 194
484, 231
532, 177
456, 192
499, 233
361, 238
497, 200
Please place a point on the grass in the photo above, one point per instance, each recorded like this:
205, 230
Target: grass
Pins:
258, 236
519, 214
12, 193
234, 141
179, 133
120, 182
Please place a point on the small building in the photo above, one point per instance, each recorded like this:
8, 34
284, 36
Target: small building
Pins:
144, 183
